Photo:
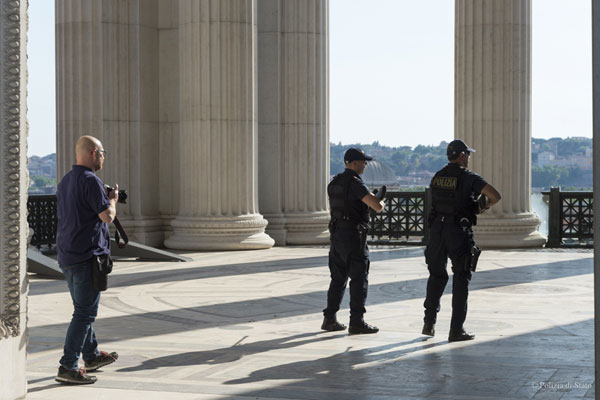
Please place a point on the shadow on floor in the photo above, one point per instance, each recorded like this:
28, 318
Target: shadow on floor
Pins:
183, 274
294, 305
531, 365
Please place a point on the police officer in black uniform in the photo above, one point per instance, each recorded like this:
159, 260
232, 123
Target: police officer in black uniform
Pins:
349, 200
455, 202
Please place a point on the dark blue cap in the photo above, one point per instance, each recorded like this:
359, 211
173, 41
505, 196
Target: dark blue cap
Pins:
355, 153
456, 147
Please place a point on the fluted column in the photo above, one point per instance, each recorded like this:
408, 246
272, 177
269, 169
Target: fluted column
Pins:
107, 87
596, 140
13, 199
293, 119
493, 112
218, 204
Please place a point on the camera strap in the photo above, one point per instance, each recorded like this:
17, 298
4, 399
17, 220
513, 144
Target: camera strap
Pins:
120, 234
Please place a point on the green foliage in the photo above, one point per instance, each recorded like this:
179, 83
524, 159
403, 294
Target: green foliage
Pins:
550, 175
568, 147
402, 160
42, 181
405, 160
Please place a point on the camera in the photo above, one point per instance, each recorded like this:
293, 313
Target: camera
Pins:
122, 194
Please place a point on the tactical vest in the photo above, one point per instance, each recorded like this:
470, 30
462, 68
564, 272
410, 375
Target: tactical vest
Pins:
339, 203
446, 192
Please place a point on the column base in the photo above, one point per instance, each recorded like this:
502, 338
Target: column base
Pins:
246, 232
276, 228
508, 231
307, 228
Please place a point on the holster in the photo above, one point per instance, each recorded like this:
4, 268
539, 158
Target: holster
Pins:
474, 253
101, 267
468, 262
363, 230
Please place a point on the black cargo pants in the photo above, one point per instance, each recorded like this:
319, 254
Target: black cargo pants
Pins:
447, 239
347, 260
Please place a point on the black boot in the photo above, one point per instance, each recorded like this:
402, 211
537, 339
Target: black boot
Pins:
428, 329
331, 324
362, 328
459, 335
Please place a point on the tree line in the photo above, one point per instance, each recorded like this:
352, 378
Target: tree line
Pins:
405, 160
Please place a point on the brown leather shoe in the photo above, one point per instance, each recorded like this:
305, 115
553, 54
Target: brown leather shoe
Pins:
332, 325
460, 335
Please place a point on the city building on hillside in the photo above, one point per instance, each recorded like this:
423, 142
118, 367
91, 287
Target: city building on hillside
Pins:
582, 160
545, 158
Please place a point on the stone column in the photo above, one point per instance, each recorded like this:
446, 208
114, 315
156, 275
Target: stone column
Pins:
293, 49
107, 87
218, 204
168, 105
13, 199
596, 141
493, 112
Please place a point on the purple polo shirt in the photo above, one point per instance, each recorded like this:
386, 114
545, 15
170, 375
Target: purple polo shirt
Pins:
81, 234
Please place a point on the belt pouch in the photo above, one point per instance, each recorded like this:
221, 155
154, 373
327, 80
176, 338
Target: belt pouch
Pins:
101, 267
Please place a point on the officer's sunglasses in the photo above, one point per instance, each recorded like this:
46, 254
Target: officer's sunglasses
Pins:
102, 152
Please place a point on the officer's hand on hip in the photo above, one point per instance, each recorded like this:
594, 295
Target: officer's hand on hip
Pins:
493, 196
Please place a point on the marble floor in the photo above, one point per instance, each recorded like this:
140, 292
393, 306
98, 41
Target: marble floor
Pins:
245, 325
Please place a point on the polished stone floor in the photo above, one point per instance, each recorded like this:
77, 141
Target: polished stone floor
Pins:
245, 325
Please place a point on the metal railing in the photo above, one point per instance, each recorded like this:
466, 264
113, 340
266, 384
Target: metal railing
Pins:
570, 218
42, 219
404, 220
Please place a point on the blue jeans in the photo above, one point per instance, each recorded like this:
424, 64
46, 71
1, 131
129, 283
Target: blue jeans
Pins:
81, 338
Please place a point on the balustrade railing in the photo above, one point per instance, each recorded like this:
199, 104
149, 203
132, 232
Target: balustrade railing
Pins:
570, 218
403, 221
42, 219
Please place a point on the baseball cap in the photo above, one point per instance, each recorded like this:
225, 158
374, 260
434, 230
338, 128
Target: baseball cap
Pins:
355, 153
456, 147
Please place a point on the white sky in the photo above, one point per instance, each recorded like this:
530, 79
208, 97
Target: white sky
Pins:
391, 71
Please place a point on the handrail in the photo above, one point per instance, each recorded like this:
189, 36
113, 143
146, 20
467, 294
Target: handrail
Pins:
403, 221
570, 218
42, 219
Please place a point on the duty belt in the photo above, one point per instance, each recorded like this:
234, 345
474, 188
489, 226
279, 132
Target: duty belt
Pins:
340, 223
446, 218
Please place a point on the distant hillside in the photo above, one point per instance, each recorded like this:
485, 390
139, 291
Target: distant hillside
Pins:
42, 174
555, 162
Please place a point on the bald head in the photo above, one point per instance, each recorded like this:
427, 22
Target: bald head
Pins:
86, 144
87, 152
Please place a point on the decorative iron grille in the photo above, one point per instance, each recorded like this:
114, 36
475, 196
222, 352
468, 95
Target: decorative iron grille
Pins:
571, 218
404, 220
42, 219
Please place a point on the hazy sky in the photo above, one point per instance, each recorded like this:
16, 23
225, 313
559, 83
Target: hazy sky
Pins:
391, 71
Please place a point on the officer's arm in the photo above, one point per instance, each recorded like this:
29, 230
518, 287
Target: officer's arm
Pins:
493, 196
373, 202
